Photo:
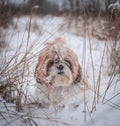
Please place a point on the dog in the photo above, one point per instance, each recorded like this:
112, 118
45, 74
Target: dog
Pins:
58, 74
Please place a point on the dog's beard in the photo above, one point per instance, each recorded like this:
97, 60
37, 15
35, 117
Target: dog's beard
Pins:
58, 77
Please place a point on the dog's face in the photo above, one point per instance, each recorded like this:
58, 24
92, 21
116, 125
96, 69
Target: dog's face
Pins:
57, 65
59, 72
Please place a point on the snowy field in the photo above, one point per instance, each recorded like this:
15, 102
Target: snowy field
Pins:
27, 35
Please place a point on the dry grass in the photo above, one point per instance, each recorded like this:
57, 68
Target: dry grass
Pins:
6, 14
15, 72
114, 56
2, 41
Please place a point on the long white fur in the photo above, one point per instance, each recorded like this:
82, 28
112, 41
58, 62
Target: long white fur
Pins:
62, 88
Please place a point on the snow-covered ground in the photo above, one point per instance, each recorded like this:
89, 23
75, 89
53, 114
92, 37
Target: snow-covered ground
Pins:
92, 53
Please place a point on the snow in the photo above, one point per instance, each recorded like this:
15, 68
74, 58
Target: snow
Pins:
47, 28
115, 5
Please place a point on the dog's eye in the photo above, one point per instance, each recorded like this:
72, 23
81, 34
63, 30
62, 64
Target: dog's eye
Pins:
68, 63
56, 60
51, 62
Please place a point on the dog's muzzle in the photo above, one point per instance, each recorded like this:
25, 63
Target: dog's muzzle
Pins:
60, 69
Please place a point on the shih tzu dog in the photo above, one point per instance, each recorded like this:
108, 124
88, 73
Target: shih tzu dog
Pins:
58, 74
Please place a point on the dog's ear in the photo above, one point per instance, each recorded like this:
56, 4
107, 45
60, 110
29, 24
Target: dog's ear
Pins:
36, 75
79, 76
41, 68
81, 79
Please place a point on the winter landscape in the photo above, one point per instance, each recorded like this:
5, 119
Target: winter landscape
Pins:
96, 42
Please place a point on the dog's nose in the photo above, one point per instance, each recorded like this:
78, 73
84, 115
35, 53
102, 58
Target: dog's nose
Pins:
60, 67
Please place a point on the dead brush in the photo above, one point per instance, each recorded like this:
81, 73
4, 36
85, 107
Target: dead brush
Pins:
109, 30
2, 41
6, 13
114, 29
12, 79
114, 34
15, 72
115, 58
